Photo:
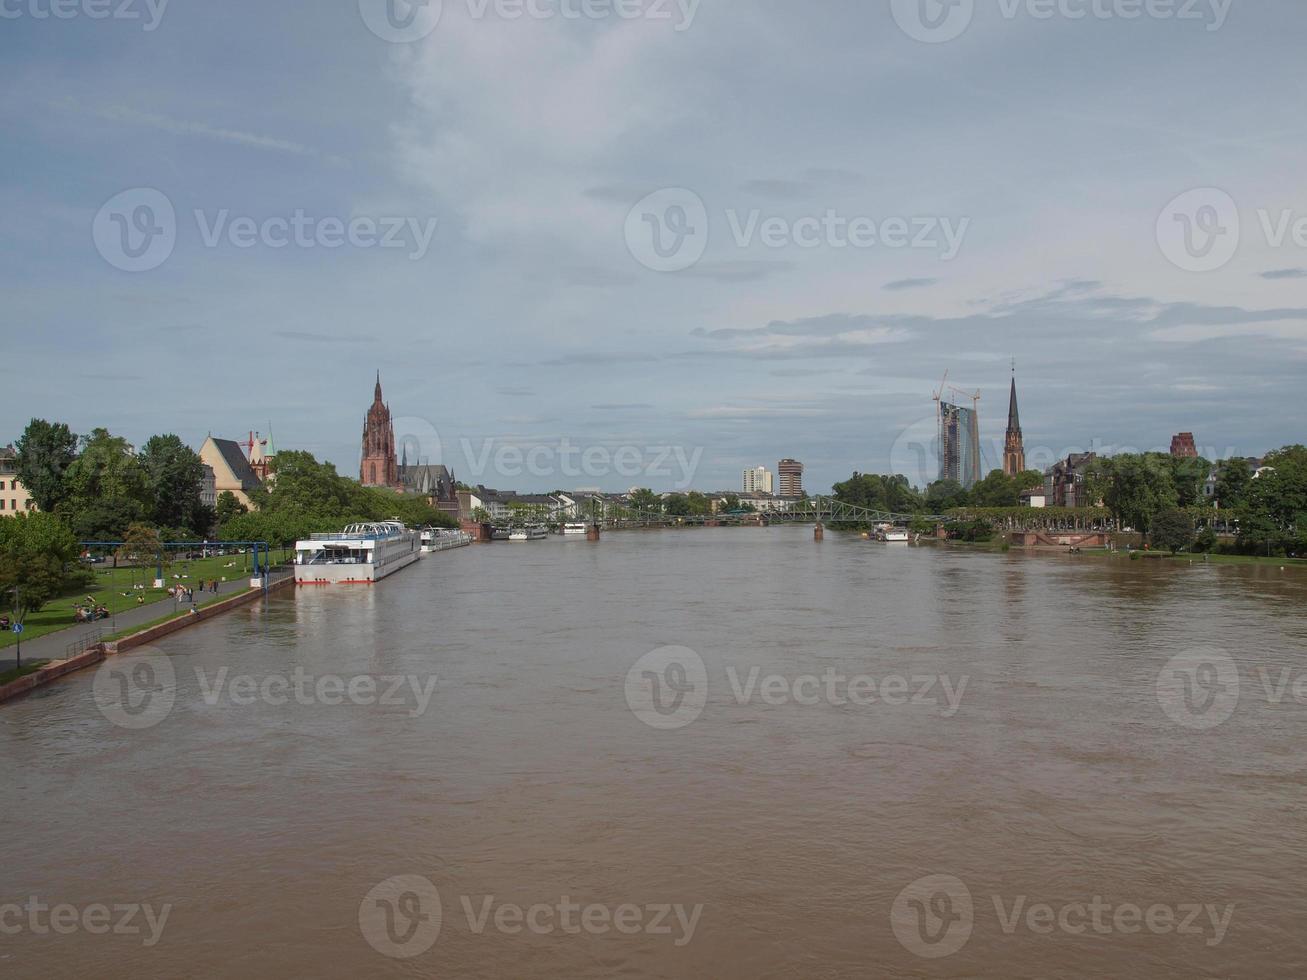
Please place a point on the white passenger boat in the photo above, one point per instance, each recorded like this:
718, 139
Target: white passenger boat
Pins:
442, 539
890, 534
359, 555
532, 532
570, 529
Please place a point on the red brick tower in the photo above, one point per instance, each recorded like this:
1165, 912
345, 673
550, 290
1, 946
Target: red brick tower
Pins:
379, 468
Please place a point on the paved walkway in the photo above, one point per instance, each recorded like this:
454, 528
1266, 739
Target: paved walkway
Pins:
55, 646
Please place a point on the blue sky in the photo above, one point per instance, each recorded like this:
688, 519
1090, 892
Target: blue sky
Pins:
1066, 156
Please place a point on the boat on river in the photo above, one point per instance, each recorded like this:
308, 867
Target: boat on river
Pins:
362, 554
889, 534
442, 539
531, 532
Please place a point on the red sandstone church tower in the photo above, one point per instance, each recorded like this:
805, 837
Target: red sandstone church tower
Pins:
379, 468
1014, 449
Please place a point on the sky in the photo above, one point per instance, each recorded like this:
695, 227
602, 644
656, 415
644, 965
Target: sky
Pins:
618, 243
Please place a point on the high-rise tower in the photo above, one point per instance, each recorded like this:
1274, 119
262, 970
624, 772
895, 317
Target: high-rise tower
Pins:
379, 468
1014, 449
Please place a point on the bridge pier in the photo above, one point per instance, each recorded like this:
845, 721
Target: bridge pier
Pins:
592, 533
819, 532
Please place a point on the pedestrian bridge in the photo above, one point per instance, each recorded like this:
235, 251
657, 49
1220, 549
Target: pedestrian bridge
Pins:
813, 510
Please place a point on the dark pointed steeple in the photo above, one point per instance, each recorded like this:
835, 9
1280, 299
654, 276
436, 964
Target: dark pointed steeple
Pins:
1014, 450
376, 396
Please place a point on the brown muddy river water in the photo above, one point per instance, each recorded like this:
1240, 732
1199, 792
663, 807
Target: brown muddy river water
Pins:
718, 753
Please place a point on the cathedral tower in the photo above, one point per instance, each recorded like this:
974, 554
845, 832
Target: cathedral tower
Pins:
379, 468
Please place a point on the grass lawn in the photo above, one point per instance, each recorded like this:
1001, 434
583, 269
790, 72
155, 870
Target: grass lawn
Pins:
113, 589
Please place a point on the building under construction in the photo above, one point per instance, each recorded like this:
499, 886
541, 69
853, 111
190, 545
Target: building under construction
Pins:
959, 438
959, 444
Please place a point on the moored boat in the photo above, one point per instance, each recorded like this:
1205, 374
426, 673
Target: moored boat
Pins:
359, 555
442, 539
531, 532
889, 534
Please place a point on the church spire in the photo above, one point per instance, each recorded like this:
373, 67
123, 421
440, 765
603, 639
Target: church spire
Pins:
1014, 449
376, 397
1013, 416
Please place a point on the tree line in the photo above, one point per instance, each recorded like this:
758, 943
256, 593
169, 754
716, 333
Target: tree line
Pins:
309, 497
1161, 496
98, 487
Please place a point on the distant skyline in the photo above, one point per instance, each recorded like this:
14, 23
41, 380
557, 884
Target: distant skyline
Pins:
1131, 227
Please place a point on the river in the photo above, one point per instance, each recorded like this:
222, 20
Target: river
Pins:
724, 753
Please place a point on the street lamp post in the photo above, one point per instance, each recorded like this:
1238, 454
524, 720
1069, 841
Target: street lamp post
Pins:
18, 654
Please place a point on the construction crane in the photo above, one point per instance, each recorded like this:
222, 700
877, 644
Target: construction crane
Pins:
975, 399
939, 395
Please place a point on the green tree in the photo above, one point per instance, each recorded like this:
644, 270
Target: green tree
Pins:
45, 450
887, 493
1233, 481
1274, 516
646, 500
306, 486
173, 478
700, 505
106, 469
1172, 529
104, 519
142, 545
1188, 475
38, 555
677, 505
1206, 541
1136, 488
228, 507
944, 495
996, 490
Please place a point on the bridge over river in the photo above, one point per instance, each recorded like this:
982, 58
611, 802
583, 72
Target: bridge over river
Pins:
813, 510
